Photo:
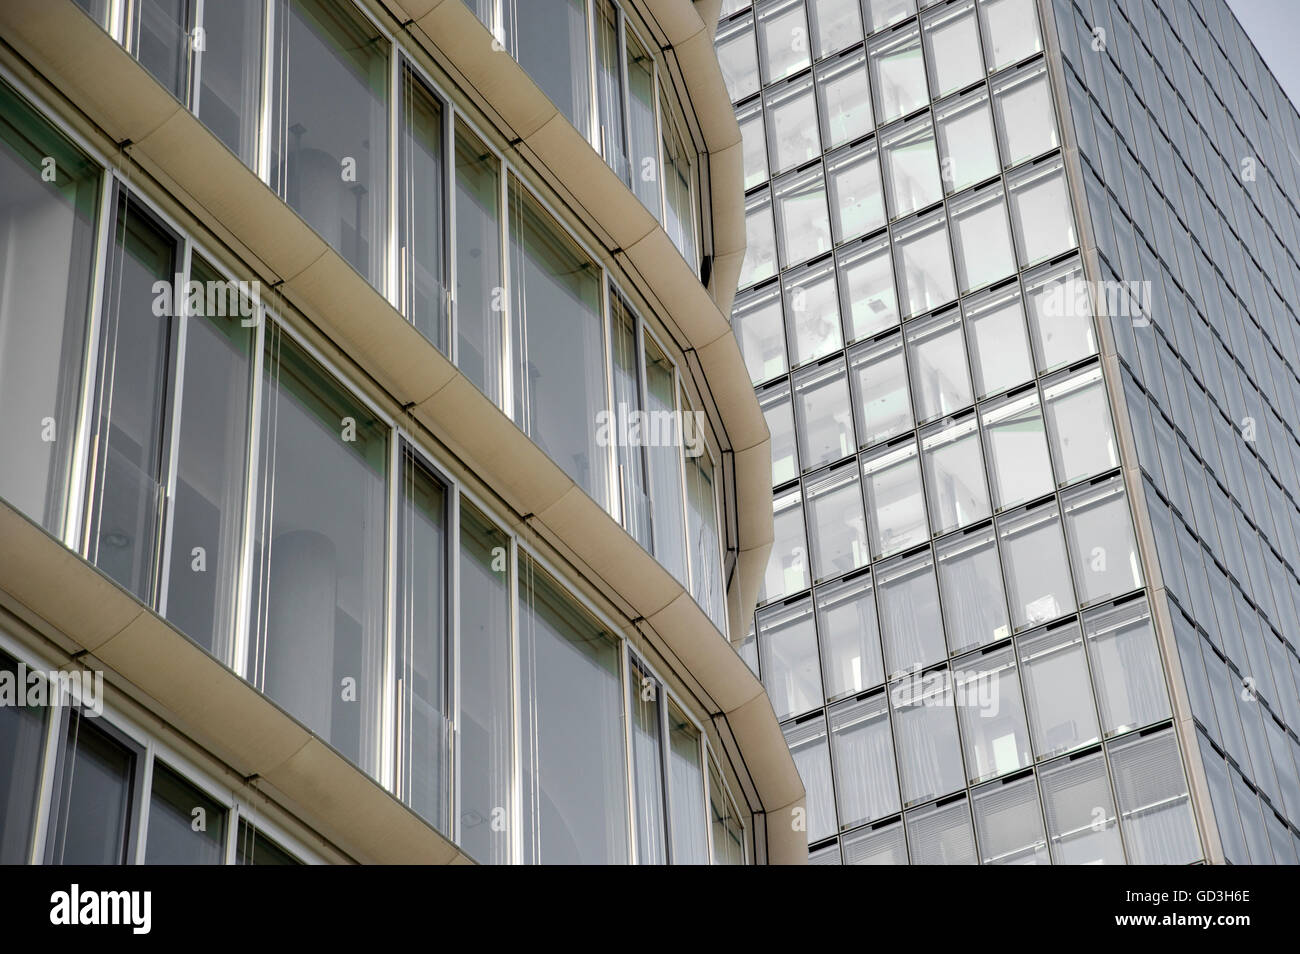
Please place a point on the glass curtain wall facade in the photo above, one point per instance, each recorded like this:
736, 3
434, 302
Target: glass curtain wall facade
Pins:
955, 627
1189, 154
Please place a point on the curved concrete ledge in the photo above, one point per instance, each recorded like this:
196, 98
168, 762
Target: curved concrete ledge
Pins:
214, 187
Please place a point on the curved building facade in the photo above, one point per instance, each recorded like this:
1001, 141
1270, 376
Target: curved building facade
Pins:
384, 482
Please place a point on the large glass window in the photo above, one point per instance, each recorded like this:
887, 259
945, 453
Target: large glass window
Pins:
850, 637
844, 98
886, 845
881, 403
96, 797
317, 615
424, 736
754, 138
485, 729
679, 207
1126, 670
1081, 824
1078, 419
992, 714
207, 514
855, 192
480, 331
557, 342
898, 74
1014, 438
778, 412
22, 744
895, 505
866, 273
1036, 567
782, 40
227, 96
329, 154
1102, 546
924, 264
955, 487
968, 153
571, 724
760, 241
1057, 692
645, 698
812, 757
1040, 210
1022, 101
812, 312
1010, 31
759, 324
925, 727
688, 825
421, 217
791, 130
643, 126
1009, 823
911, 167
667, 513
936, 364
787, 641
910, 624
823, 415
803, 223
186, 826
837, 529
835, 25
941, 834
550, 41
865, 779
728, 829
787, 567
970, 579
737, 56
1155, 808
1060, 315
47, 240
882, 13
702, 525
159, 35
998, 342
952, 47
981, 238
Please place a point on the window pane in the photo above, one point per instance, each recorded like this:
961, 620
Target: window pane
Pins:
992, 714
679, 209
778, 412
94, 802
880, 398
787, 567
850, 638
1037, 573
22, 744
230, 74
755, 144
609, 91
998, 342
421, 217
760, 331
924, 264
791, 130
705, 546
212, 461
787, 641
160, 39
896, 507
804, 224
855, 193
690, 844
760, 237
186, 827
898, 74
575, 786
952, 47
837, 530
835, 25
422, 672
1009, 823
911, 167
782, 40
135, 354
1058, 697
925, 727
941, 835
1017, 447
558, 343
881, 13
480, 342
254, 848
936, 362
812, 758
644, 695
318, 615
643, 127
866, 274
865, 779
825, 425
1026, 123
329, 158
633, 489
1081, 823
881, 846
966, 147
1126, 667
845, 98
737, 56
667, 514
728, 830
1060, 315
1010, 31
812, 309
909, 614
486, 726
981, 238
551, 45
1154, 805
970, 578
956, 490
1040, 208
49, 234
1102, 545
1078, 418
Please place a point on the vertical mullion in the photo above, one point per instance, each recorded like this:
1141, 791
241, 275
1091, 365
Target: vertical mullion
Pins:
516, 782
629, 775
238, 658
174, 418
270, 76
453, 657
449, 230
396, 279
389, 771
